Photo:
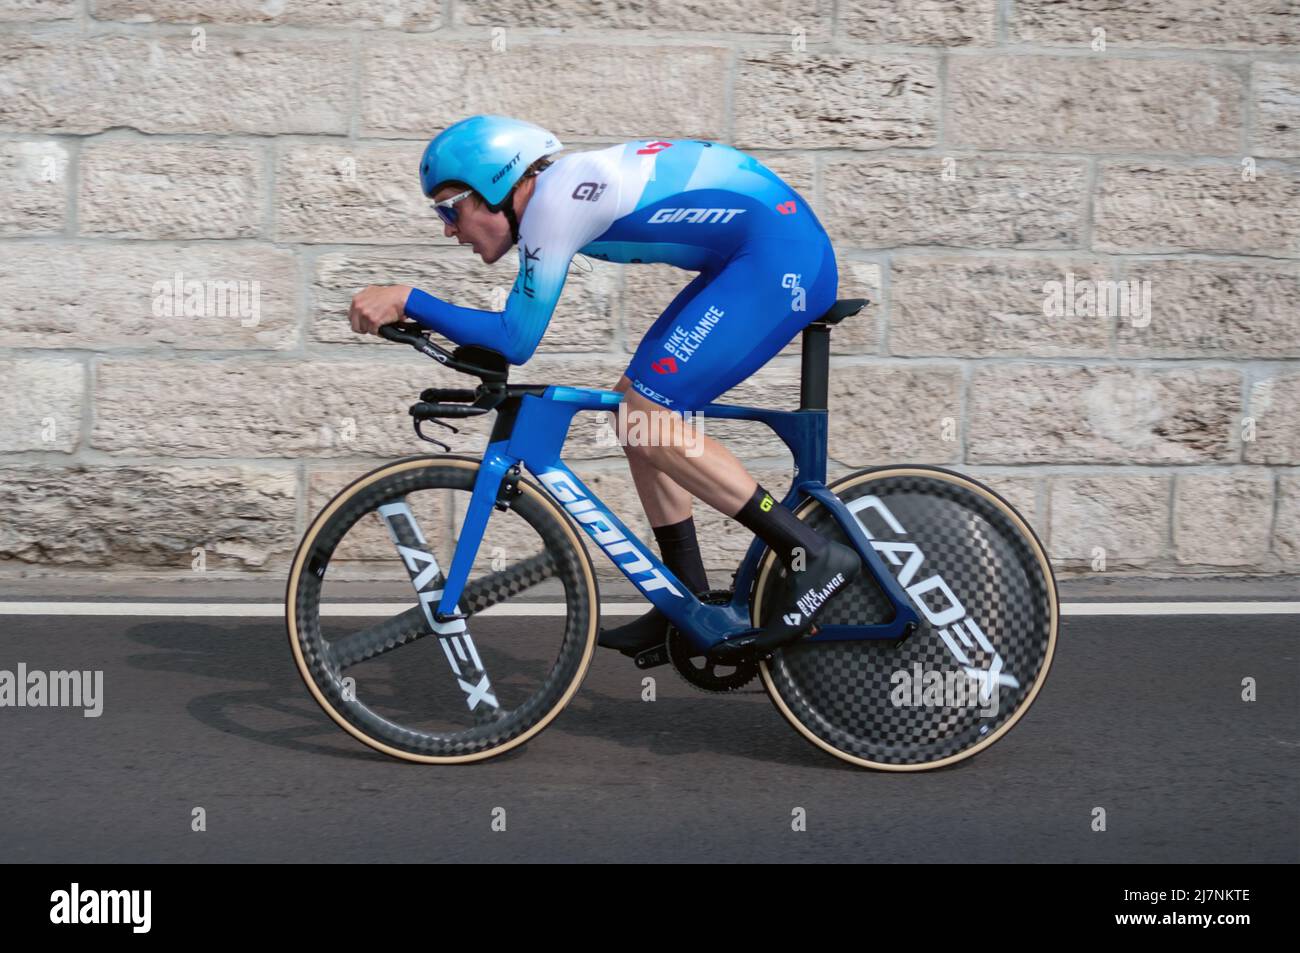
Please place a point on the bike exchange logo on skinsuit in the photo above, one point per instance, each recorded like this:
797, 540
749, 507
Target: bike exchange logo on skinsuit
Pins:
682, 343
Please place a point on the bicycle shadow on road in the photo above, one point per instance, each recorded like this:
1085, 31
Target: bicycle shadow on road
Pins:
268, 703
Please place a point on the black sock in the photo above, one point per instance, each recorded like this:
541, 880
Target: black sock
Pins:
771, 522
681, 553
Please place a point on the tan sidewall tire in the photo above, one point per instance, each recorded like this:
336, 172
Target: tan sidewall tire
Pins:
854, 479
305, 548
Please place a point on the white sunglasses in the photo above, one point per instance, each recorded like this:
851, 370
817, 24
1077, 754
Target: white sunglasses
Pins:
446, 208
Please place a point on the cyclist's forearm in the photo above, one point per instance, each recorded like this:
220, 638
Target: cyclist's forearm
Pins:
499, 330
462, 325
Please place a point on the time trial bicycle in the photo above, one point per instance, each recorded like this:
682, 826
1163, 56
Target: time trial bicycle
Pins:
938, 649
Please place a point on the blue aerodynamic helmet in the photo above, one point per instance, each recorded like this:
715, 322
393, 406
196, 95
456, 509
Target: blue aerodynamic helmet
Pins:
487, 153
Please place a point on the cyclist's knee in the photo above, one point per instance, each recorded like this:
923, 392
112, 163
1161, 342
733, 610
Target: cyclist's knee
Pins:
649, 431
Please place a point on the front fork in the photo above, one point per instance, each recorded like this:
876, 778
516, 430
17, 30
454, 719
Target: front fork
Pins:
496, 469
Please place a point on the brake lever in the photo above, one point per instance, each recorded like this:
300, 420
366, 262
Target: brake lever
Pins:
446, 448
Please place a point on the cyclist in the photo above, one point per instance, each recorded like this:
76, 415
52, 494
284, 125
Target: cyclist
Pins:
766, 269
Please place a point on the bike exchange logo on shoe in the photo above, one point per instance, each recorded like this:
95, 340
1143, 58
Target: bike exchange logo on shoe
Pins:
809, 602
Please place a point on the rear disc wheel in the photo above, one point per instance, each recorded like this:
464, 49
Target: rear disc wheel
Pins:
983, 586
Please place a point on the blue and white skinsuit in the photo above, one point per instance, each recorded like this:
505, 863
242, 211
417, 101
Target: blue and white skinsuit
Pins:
766, 266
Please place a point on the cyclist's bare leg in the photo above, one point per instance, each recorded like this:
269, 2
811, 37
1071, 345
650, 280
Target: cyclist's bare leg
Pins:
668, 506
679, 464
663, 500
699, 465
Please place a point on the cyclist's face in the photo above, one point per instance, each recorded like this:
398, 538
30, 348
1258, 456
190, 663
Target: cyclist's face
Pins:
487, 232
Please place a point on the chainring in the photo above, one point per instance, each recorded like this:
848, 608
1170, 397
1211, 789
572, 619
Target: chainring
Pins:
696, 670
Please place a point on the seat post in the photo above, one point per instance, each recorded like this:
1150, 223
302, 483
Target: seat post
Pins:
815, 367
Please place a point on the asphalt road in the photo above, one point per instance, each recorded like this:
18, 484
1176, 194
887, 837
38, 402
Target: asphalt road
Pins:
1141, 716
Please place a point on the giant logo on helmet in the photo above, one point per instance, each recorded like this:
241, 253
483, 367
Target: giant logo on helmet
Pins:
506, 168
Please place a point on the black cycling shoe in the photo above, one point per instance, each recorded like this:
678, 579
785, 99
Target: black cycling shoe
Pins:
633, 638
808, 593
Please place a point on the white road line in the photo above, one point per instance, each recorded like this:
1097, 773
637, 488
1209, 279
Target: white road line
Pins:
1180, 608
242, 610
239, 610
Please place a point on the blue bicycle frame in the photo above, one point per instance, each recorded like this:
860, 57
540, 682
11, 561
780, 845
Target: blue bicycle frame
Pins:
535, 437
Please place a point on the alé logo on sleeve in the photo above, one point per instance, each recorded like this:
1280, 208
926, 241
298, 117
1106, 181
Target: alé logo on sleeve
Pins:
608, 536
589, 191
950, 620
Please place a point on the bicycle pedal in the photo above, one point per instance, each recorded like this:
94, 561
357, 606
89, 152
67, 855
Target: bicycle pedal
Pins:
652, 658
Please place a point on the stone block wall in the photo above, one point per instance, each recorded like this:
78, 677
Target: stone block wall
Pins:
1078, 222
